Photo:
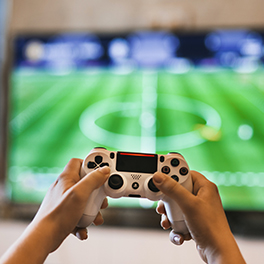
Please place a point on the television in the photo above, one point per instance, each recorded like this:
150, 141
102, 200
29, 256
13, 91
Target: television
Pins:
200, 93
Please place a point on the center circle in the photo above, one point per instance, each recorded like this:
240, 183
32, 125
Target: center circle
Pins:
133, 106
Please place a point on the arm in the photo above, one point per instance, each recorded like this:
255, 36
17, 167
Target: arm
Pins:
205, 218
58, 215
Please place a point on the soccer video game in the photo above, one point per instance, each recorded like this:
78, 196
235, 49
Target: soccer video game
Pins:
197, 93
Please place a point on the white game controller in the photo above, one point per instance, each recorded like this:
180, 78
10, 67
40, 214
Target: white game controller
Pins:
131, 176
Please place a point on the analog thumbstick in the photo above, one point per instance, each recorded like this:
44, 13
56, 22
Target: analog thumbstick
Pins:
115, 182
152, 186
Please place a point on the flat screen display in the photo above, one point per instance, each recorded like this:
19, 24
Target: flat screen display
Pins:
197, 93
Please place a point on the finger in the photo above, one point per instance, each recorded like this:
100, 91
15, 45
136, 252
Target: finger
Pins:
161, 208
81, 233
99, 220
73, 169
199, 181
165, 223
104, 204
92, 181
173, 189
178, 239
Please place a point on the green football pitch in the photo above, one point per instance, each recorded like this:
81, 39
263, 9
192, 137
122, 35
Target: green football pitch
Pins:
215, 119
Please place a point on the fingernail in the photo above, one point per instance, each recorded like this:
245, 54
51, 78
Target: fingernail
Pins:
177, 240
105, 170
162, 220
82, 235
78, 235
158, 177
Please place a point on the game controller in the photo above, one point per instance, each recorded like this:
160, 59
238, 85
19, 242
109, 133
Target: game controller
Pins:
131, 176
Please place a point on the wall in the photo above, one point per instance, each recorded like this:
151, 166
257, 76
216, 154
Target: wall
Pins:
113, 15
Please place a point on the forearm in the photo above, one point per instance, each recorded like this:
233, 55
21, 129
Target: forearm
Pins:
33, 246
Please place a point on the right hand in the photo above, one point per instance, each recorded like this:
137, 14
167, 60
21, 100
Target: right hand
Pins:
204, 216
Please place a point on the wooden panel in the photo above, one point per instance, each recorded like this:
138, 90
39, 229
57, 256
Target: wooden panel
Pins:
112, 15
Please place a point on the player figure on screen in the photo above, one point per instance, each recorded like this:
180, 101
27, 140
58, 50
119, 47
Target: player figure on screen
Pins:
131, 176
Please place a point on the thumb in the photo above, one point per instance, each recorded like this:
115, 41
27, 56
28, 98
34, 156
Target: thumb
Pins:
92, 181
173, 189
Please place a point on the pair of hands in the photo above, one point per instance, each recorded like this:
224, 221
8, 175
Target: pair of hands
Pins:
66, 200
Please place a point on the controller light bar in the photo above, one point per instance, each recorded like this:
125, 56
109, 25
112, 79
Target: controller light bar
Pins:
137, 154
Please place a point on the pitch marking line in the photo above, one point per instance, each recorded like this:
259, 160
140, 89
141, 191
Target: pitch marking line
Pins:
148, 114
91, 130
36, 109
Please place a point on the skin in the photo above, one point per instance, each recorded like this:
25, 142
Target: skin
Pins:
58, 215
66, 199
204, 216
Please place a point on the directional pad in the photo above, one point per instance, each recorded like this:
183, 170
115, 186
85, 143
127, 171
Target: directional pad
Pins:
98, 159
96, 163
91, 165
104, 164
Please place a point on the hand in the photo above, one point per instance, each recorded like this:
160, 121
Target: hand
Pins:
58, 215
204, 216
66, 199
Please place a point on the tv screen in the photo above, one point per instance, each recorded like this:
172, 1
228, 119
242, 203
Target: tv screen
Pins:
197, 93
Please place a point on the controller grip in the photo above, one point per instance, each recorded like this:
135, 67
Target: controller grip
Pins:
86, 220
175, 216
92, 208
180, 227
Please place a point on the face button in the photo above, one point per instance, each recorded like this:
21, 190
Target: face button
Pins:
152, 186
175, 162
104, 164
98, 159
115, 181
91, 165
165, 169
135, 185
175, 177
184, 171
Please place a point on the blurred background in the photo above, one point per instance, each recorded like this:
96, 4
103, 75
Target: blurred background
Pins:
153, 76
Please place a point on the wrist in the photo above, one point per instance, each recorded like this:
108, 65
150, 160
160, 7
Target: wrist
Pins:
40, 237
225, 252
45, 231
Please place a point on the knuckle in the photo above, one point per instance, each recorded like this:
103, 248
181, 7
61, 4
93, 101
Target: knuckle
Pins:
213, 187
60, 179
74, 160
69, 177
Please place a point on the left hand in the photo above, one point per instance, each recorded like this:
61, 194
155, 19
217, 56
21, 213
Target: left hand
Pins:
65, 202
